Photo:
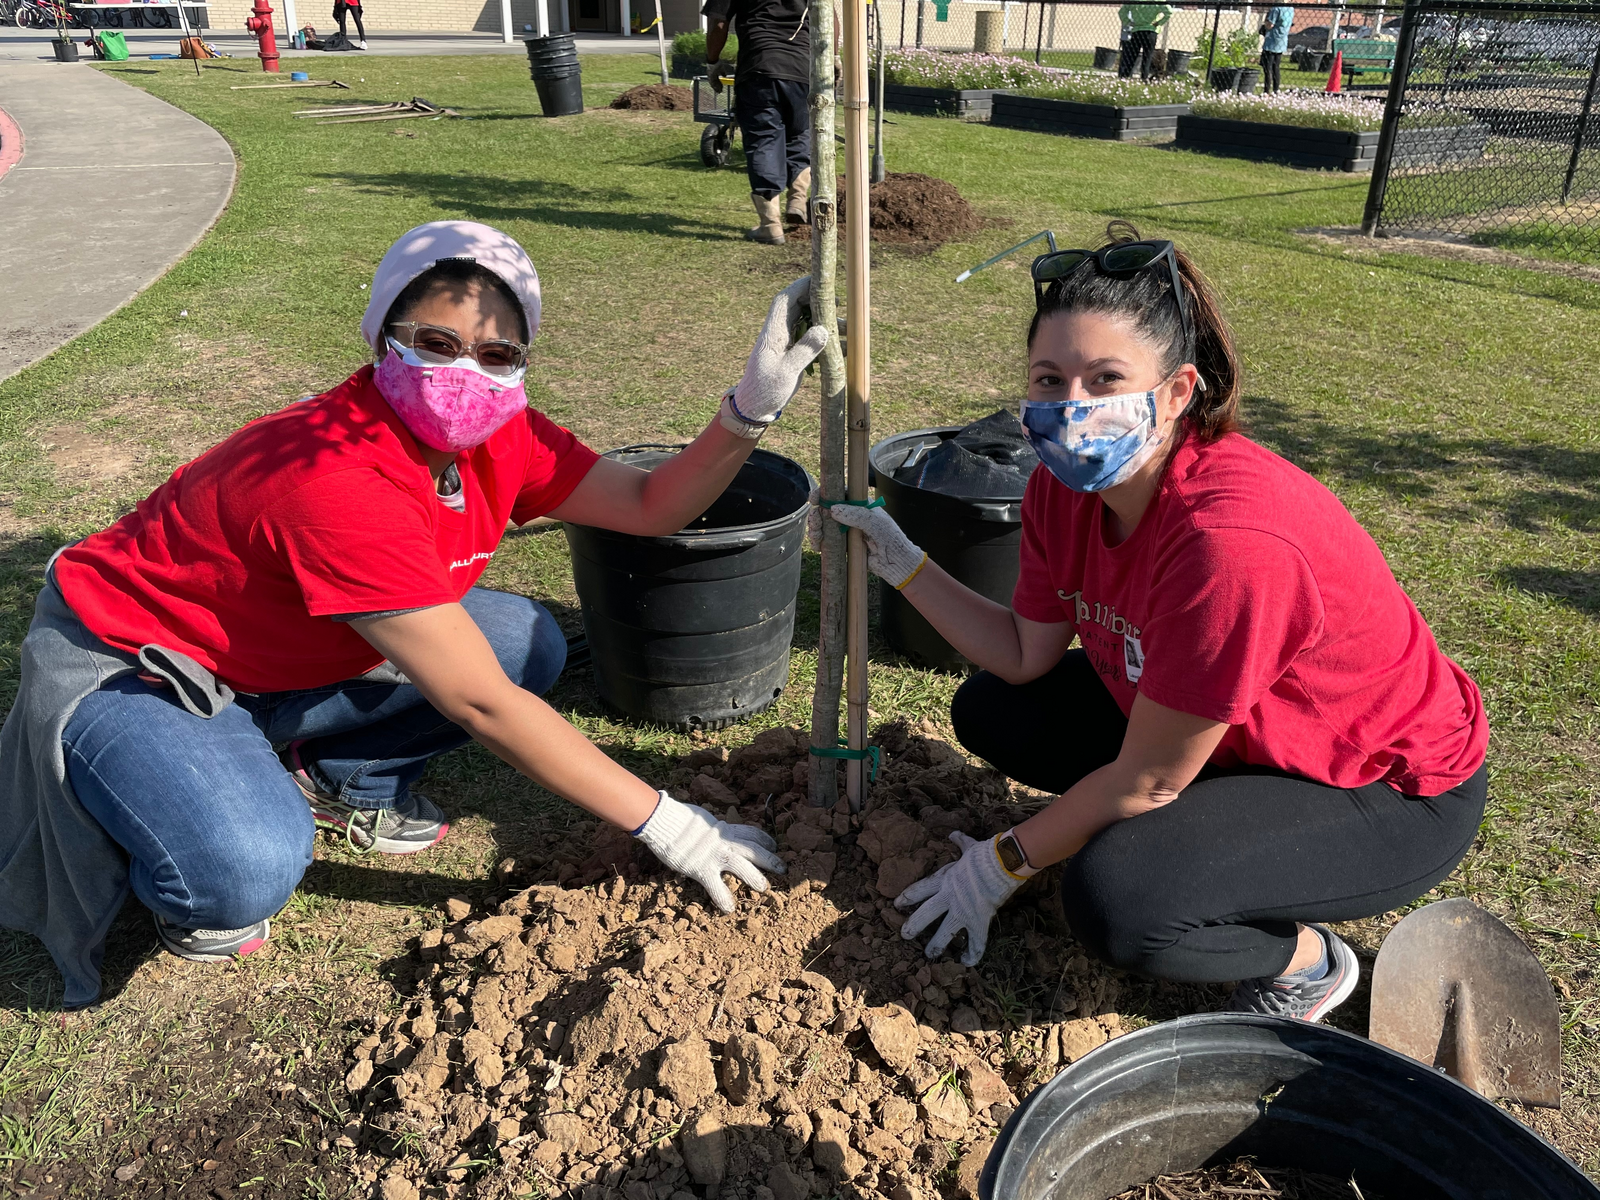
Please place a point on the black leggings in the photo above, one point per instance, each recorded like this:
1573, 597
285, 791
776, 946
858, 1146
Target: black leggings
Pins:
1271, 62
1208, 889
340, 8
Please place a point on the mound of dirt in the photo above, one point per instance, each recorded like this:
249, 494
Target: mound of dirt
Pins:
908, 207
620, 1040
657, 97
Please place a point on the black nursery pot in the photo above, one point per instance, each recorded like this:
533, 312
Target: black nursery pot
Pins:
1218, 1086
692, 630
978, 539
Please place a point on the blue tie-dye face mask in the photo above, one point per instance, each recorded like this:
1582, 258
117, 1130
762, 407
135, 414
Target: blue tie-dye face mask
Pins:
1093, 444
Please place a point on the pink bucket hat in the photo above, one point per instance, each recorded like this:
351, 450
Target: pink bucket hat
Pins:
427, 245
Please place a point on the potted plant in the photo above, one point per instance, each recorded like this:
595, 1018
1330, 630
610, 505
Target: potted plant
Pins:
1086, 104
1228, 55
689, 54
1312, 129
934, 83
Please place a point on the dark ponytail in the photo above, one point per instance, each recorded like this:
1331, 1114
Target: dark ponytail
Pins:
1145, 301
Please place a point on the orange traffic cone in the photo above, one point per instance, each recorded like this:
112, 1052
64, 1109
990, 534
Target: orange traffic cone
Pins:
1335, 74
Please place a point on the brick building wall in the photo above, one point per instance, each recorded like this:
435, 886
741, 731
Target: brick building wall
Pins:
450, 16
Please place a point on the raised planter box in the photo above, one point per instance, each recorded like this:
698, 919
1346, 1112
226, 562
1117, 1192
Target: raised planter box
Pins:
1328, 149
1122, 124
938, 102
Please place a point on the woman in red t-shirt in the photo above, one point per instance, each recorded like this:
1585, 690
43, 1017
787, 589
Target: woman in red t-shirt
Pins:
309, 584
1257, 732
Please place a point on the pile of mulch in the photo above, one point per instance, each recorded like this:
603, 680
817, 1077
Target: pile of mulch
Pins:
910, 207
611, 1037
656, 97
1242, 1178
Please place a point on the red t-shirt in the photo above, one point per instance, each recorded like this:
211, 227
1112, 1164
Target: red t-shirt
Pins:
1249, 595
325, 507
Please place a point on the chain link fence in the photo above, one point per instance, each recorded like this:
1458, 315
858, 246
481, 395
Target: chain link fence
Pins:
1513, 88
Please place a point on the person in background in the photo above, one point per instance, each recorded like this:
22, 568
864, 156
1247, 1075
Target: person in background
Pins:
1143, 22
342, 8
1275, 41
1257, 732
772, 103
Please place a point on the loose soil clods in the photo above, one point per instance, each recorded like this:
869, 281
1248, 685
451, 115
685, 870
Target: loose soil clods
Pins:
616, 1038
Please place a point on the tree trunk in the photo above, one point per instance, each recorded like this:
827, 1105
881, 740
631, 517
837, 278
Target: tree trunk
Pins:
824, 312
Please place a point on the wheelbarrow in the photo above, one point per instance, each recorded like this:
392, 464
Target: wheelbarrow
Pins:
714, 110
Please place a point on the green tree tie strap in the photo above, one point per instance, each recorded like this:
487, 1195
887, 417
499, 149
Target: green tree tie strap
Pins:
874, 753
875, 502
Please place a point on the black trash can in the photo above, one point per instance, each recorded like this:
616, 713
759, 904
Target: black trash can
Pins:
553, 65
977, 539
692, 630
1215, 1087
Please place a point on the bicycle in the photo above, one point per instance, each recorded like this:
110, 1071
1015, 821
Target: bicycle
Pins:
41, 14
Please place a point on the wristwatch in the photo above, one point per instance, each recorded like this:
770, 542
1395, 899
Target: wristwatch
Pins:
1012, 858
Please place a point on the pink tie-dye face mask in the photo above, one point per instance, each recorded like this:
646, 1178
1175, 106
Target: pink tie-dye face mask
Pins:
450, 407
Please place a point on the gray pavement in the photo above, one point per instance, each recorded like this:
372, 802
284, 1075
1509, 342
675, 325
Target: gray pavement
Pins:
33, 45
95, 213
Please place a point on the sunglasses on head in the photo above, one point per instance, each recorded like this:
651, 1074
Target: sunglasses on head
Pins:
1120, 260
437, 345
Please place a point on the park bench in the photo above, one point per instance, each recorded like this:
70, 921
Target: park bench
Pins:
1364, 54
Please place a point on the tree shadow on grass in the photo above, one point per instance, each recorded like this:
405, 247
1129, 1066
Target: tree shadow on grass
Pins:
1578, 590
493, 201
1546, 484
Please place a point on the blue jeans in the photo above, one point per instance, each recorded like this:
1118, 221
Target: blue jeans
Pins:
217, 832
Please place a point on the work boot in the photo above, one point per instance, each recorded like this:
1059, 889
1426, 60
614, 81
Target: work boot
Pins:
798, 211
770, 231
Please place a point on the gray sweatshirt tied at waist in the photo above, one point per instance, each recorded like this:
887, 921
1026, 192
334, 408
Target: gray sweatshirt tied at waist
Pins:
62, 878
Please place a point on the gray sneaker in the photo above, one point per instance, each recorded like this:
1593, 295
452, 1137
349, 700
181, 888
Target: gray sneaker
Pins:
1286, 997
212, 945
414, 824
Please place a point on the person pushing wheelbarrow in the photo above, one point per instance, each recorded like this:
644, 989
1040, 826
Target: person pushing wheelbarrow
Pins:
772, 103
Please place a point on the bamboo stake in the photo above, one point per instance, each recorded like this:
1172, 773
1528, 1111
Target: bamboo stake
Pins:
858, 379
824, 791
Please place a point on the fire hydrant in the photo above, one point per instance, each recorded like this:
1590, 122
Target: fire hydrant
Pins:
261, 25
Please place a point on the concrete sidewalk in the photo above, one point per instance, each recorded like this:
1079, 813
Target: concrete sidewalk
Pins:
113, 187
33, 45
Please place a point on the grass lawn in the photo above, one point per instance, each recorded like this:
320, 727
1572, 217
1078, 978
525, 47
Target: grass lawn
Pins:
1449, 404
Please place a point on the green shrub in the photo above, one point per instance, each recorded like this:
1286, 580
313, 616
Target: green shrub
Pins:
693, 44
1234, 49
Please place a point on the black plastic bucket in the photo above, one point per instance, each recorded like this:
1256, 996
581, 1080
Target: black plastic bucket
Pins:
557, 77
560, 97
1218, 1086
1106, 57
693, 630
977, 539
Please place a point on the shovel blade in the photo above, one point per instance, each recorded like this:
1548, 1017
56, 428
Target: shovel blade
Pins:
1454, 988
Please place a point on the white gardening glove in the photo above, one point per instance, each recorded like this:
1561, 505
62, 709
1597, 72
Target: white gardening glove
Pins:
891, 555
772, 373
688, 839
967, 893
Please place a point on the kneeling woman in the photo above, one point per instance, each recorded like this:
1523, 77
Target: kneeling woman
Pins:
1258, 732
309, 584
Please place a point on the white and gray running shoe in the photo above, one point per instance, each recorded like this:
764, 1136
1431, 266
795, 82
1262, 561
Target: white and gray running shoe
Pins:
1285, 996
412, 825
212, 945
